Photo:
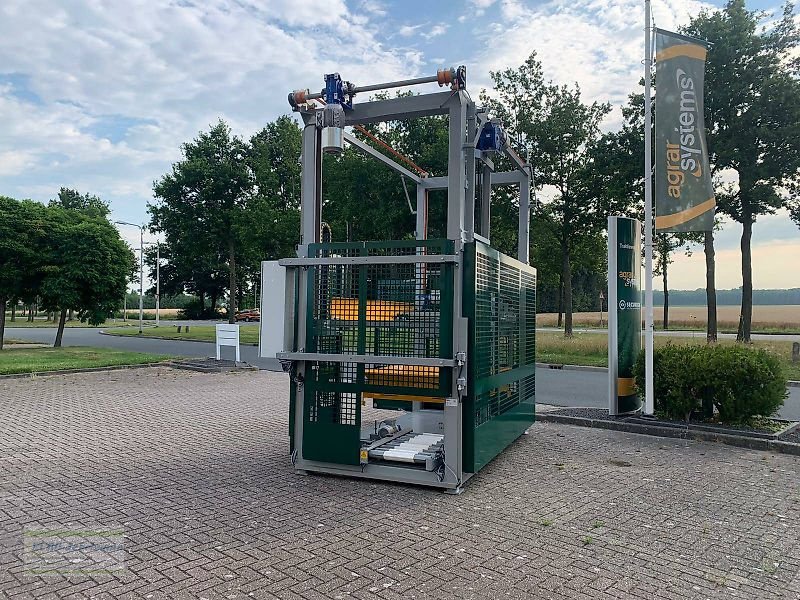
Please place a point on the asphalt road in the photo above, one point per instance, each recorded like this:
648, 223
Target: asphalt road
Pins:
564, 387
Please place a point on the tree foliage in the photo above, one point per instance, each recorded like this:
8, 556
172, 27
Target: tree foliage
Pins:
752, 113
66, 254
200, 209
559, 130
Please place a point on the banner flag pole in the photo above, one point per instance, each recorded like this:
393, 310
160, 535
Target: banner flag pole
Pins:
649, 405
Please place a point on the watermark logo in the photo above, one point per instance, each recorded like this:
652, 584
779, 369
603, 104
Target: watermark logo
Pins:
63, 550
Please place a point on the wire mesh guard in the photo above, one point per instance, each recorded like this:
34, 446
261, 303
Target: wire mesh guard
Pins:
505, 324
386, 310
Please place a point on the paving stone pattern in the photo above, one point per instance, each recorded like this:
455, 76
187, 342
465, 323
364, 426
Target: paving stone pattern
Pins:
195, 468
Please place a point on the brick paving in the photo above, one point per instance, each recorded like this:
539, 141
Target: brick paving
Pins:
194, 468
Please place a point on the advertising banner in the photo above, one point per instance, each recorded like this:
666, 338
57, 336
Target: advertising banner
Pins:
624, 312
684, 194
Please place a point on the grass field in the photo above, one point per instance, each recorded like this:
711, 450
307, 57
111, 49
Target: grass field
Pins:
766, 318
248, 334
74, 357
592, 349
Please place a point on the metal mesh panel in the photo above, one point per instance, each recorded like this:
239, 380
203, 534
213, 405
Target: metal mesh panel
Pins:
495, 402
339, 408
503, 352
401, 309
529, 294
499, 325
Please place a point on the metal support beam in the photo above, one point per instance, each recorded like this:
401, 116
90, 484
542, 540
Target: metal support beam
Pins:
456, 171
374, 153
368, 359
369, 260
421, 232
508, 178
524, 233
469, 155
516, 159
310, 184
486, 202
406, 107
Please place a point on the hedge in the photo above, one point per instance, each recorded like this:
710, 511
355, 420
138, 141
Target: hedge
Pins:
738, 381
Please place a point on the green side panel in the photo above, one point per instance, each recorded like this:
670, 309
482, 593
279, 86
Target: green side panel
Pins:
500, 302
332, 424
501, 417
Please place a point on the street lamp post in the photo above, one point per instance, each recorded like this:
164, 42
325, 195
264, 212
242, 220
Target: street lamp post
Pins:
141, 272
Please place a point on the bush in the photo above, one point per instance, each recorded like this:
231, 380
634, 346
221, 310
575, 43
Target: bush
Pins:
739, 382
194, 311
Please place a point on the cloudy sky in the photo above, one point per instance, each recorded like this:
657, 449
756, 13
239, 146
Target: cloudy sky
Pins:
99, 96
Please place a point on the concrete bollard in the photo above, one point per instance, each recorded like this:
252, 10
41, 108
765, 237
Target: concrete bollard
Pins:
795, 352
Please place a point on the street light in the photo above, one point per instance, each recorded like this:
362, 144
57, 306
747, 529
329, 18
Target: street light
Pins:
141, 271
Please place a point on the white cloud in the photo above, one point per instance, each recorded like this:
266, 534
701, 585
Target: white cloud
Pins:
598, 44
435, 31
408, 30
170, 69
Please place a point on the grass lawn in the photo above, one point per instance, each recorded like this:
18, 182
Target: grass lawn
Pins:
248, 334
73, 357
592, 349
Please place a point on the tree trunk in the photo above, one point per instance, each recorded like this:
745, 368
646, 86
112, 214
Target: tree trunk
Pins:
2, 320
746, 317
232, 272
711, 289
665, 322
560, 301
60, 333
566, 269
30, 313
202, 297
13, 311
69, 315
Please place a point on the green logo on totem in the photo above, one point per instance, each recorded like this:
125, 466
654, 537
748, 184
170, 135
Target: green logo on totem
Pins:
629, 311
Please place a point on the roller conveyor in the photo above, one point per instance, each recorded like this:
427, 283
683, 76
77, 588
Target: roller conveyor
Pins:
419, 448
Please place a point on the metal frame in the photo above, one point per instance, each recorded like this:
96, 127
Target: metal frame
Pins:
465, 121
368, 260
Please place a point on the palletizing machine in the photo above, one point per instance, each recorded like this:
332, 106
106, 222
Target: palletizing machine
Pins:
410, 360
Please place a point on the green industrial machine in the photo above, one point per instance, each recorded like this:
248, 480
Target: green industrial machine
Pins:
411, 360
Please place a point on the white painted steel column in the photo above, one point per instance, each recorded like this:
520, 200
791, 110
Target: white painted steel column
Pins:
648, 217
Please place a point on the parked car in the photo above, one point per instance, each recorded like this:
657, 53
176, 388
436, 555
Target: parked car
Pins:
248, 315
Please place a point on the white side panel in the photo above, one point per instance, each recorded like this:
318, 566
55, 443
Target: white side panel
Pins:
273, 304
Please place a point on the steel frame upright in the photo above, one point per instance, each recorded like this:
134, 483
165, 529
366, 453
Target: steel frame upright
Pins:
461, 199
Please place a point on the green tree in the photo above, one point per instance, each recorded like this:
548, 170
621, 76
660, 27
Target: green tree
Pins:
86, 266
272, 228
86, 203
201, 206
555, 124
752, 113
22, 229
